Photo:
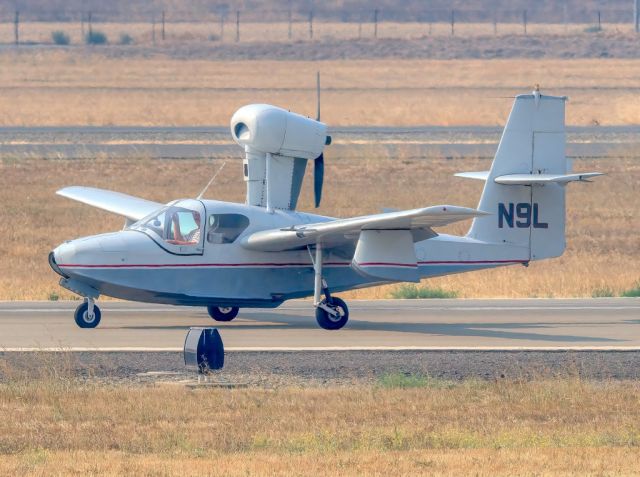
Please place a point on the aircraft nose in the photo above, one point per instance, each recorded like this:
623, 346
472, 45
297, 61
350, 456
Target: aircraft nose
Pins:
54, 264
61, 255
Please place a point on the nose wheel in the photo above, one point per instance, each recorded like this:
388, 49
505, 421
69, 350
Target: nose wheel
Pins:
87, 315
223, 313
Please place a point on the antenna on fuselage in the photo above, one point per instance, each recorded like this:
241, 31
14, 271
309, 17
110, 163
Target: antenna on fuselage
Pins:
211, 181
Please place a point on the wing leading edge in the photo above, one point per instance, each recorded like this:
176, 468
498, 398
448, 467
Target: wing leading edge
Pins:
340, 231
133, 208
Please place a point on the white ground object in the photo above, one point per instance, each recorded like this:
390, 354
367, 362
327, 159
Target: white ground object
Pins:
224, 256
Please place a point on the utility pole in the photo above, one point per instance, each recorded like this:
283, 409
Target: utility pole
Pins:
16, 28
237, 26
453, 22
375, 23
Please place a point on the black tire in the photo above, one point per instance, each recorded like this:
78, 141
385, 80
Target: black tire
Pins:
223, 313
81, 318
328, 322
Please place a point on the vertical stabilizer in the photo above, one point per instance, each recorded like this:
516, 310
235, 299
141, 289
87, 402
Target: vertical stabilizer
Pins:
533, 143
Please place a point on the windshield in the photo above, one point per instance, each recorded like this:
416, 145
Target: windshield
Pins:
174, 225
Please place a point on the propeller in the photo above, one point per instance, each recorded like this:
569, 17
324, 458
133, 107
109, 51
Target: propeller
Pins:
318, 163
318, 178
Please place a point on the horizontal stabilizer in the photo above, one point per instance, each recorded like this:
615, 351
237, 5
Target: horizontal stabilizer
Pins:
133, 208
479, 175
531, 179
541, 179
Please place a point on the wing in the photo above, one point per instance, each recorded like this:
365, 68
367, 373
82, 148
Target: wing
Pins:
339, 231
133, 208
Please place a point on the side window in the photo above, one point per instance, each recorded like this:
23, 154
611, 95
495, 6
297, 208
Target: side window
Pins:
225, 228
183, 228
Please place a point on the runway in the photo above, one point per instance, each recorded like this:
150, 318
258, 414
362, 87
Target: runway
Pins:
394, 325
421, 142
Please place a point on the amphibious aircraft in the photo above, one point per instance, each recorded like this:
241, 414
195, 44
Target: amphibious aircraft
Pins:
225, 256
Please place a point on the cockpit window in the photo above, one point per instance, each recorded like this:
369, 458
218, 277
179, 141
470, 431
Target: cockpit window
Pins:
183, 227
225, 228
174, 225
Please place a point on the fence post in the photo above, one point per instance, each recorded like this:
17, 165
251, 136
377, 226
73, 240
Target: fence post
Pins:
636, 15
163, 25
375, 23
290, 17
311, 25
453, 22
237, 26
16, 28
599, 21
82, 24
524, 21
153, 28
89, 25
495, 23
221, 27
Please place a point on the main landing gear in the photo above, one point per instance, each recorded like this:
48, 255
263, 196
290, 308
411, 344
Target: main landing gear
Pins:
87, 315
331, 312
223, 313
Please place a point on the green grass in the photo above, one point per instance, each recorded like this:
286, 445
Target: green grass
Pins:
603, 292
632, 292
410, 291
408, 380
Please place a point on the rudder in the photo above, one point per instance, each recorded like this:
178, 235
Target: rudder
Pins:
527, 212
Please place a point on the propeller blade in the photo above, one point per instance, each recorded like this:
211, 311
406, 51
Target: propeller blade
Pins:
318, 178
318, 96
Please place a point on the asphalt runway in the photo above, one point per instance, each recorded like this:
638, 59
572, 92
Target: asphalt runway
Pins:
422, 142
393, 325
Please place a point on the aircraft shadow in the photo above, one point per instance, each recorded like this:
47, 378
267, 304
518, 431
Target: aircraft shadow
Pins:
273, 321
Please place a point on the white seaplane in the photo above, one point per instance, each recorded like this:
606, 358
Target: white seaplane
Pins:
226, 256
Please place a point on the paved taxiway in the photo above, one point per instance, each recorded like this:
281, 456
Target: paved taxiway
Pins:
215, 142
538, 324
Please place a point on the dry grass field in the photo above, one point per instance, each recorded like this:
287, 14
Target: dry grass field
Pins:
86, 87
545, 427
601, 231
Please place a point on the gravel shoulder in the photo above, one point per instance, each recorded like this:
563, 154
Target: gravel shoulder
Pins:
278, 369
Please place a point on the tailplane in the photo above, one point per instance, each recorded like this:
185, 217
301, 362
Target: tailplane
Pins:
525, 187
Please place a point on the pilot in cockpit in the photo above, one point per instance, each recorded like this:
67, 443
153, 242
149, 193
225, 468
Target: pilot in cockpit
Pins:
190, 238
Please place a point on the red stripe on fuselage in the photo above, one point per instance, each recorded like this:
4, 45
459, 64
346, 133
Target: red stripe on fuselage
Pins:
293, 264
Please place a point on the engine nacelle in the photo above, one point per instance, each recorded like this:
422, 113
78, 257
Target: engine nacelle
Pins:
269, 129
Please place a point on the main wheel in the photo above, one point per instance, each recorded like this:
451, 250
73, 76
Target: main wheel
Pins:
329, 322
81, 316
223, 313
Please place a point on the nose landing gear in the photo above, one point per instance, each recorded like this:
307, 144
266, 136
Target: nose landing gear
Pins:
87, 315
223, 313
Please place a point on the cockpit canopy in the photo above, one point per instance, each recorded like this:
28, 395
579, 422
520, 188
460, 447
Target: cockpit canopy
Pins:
179, 227
178, 224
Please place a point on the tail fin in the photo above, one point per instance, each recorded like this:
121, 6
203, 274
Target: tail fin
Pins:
524, 190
